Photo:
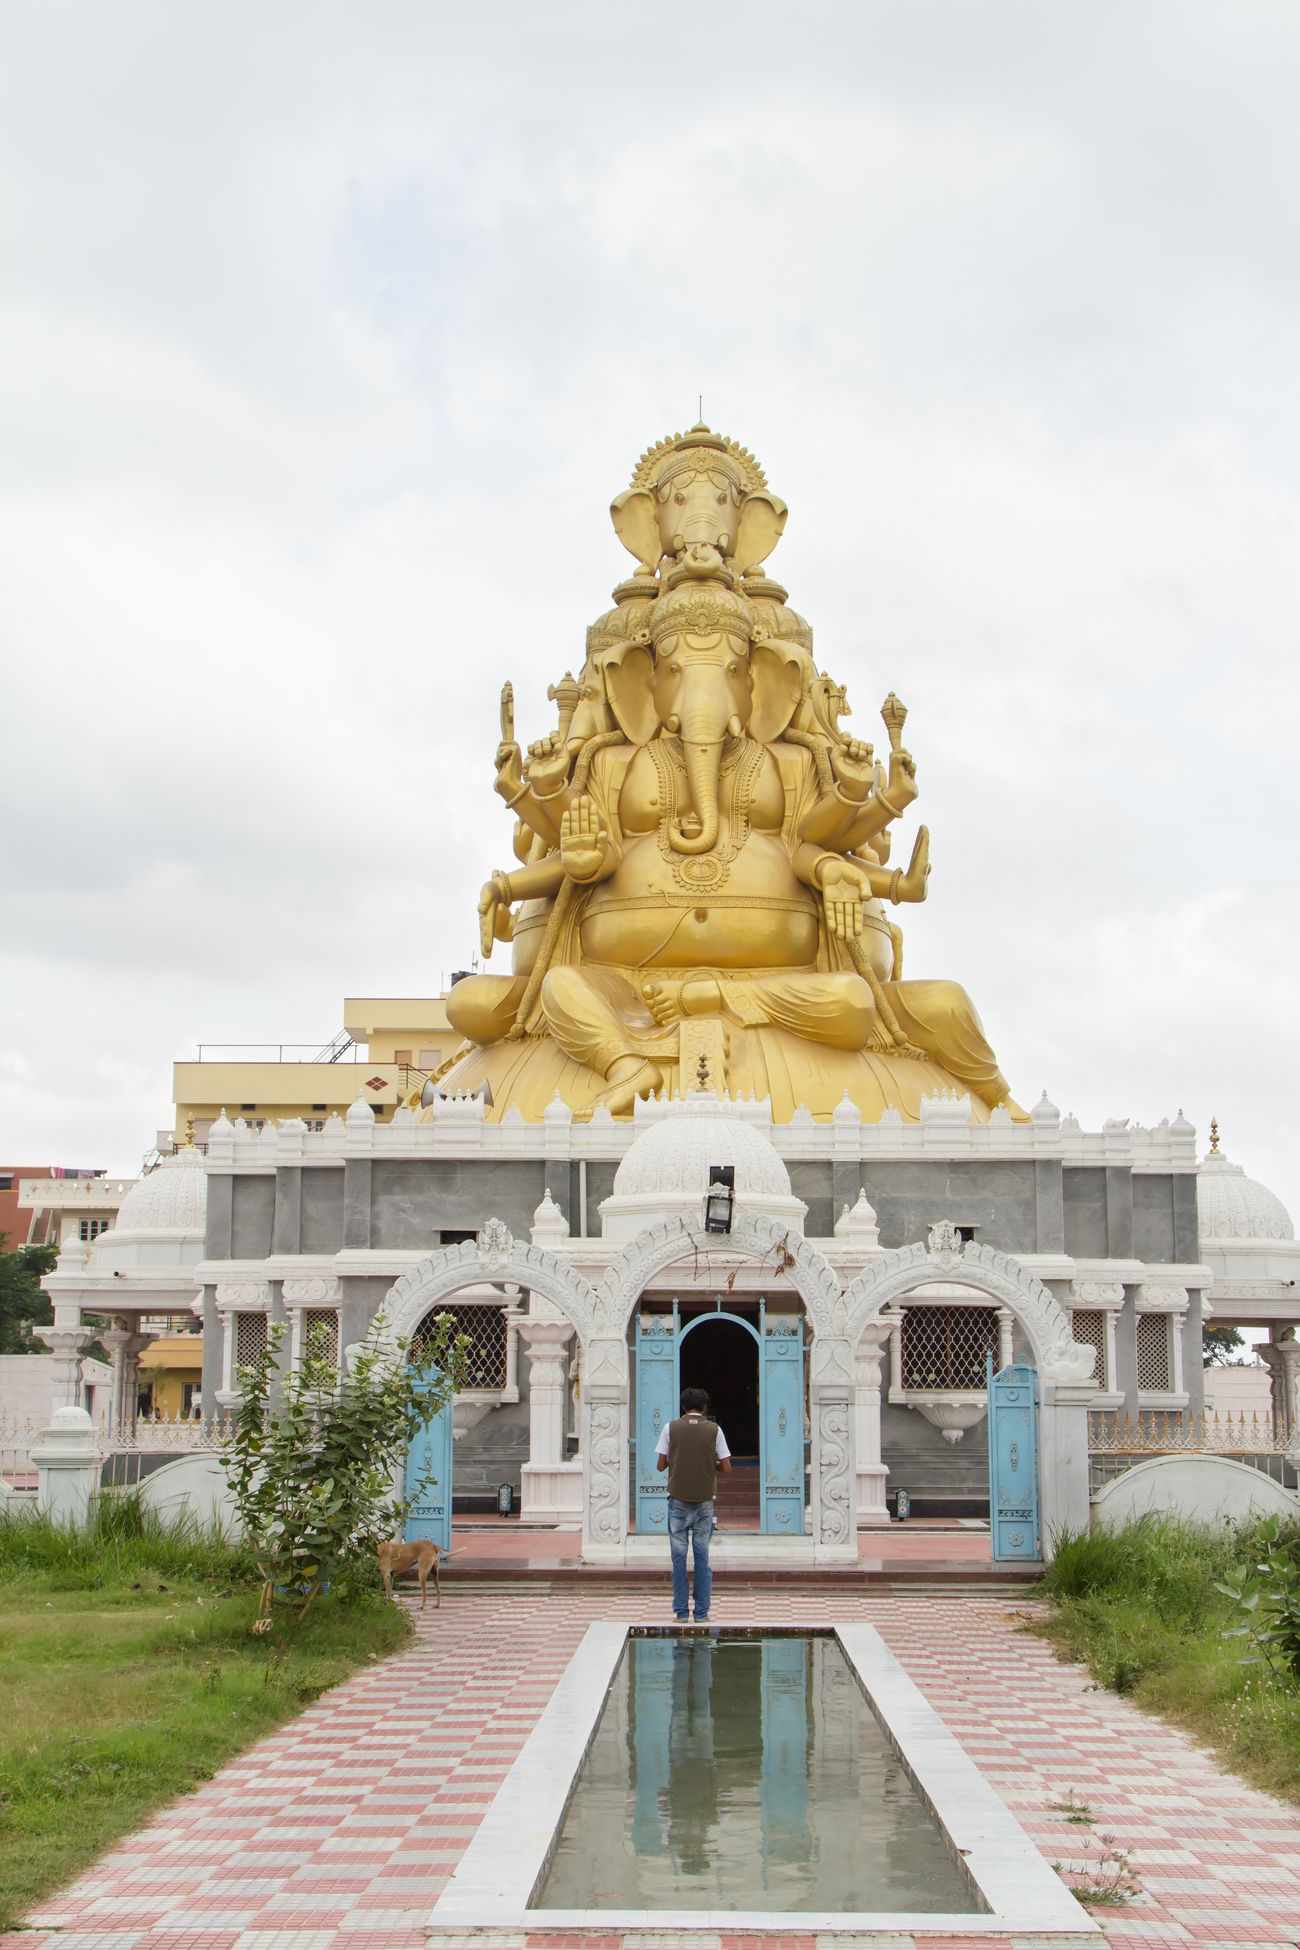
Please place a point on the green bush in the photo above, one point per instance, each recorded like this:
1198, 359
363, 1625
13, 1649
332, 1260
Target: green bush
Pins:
124, 1541
1149, 1607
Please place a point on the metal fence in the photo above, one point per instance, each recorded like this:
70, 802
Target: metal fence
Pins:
148, 1435
1118, 1442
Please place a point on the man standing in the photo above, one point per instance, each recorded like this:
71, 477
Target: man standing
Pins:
692, 1450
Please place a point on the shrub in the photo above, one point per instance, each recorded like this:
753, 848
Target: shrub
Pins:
313, 1472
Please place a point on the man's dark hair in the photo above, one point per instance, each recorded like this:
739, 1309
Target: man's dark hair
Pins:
694, 1401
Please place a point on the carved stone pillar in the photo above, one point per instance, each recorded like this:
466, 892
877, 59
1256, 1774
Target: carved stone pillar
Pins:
66, 1344
551, 1487
126, 1346
115, 1339
832, 1391
1282, 1358
605, 1446
871, 1471
1063, 1490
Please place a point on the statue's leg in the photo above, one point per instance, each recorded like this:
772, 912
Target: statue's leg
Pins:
941, 1019
483, 1007
836, 1009
597, 1017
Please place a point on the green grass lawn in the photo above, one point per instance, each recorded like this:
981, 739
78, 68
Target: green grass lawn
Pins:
127, 1676
1139, 1607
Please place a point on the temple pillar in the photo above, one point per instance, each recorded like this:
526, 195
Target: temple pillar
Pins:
66, 1343
551, 1488
605, 1466
1281, 1355
831, 1396
126, 1346
870, 1470
67, 1467
1063, 1489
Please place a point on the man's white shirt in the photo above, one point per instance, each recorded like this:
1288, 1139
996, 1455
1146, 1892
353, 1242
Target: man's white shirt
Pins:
720, 1448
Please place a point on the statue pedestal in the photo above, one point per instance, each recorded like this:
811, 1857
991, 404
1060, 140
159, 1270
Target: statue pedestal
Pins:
551, 1494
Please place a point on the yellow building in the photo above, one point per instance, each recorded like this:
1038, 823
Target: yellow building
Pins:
387, 1046
170, 1375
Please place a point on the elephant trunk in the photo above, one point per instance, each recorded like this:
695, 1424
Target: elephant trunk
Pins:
705, 719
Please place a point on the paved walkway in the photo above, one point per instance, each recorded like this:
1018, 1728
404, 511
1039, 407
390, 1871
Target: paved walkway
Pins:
338, 1832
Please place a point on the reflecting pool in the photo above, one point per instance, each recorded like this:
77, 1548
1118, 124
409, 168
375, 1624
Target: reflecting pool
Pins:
746, 1771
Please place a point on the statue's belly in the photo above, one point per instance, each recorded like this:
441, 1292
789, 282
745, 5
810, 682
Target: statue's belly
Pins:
757, 915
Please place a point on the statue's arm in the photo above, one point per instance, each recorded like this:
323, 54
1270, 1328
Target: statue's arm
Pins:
522, 798
503, 890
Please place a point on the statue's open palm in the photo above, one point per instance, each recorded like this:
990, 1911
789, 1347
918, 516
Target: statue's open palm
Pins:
584, 843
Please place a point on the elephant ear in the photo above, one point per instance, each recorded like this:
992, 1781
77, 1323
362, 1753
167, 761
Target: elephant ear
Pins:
762, 523
627, 672
633, 516
781, 672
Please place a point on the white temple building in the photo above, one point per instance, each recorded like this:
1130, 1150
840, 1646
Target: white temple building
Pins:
843, 1324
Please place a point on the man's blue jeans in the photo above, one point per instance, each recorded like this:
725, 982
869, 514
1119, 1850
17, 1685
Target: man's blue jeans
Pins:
693, 1521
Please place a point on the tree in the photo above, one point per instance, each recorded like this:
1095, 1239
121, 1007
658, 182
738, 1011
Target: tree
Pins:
23, 1307
1219, 1346
312, 1457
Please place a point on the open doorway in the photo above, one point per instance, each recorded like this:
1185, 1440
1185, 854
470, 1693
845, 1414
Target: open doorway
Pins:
721, 1357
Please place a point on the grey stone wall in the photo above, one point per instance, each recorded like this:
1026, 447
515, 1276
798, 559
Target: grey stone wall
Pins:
252, 1216
944, 1478
998, 1197
412, 1199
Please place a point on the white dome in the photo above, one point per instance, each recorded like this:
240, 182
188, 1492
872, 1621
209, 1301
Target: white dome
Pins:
674, 1157
665, 1172
1234, 1207
165, 1209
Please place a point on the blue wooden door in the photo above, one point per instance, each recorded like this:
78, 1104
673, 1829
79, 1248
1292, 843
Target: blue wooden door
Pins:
656, 1404
1013, 1463
428, 1480
783, 1782
780, 1403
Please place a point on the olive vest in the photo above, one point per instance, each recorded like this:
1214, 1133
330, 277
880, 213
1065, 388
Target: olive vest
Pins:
692, 1460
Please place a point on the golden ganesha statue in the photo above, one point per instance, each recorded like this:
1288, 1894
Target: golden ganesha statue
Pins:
703, 854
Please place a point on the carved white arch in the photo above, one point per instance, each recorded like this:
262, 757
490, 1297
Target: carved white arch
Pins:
753, 1236
987, 1272
494, 1256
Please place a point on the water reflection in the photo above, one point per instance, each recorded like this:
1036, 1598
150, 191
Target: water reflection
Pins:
746, 1773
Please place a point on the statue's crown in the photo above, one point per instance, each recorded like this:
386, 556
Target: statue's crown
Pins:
700, 609
696, 452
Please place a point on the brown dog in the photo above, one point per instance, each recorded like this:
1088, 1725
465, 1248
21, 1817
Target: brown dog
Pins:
423, 1557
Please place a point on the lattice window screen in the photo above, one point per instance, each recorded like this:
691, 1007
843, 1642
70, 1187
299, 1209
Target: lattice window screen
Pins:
320, 1334
250, 1338
485, 1329
1153, 1353
1090, 1331
944, 1347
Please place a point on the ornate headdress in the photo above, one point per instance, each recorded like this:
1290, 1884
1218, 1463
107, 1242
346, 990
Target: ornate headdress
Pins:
700, 609
697, 452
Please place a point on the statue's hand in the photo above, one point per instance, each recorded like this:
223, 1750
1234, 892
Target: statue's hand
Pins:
510, 769
548, 764
844, 889
584, 843
853, 765
902, 787
495, 921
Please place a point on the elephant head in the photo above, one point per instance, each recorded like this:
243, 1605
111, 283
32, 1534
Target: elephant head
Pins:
701, 500
711, 680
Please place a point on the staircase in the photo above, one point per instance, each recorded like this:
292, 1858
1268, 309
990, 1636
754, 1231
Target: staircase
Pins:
736, 1505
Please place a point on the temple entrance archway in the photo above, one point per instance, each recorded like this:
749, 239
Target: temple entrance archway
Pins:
720, 1355
753, 1360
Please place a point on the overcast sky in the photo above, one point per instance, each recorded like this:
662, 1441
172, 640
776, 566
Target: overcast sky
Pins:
327, 334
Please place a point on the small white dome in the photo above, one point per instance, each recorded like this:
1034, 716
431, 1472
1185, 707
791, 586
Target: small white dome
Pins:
675, 1156
169, 1204
665, 1172
1232, 1206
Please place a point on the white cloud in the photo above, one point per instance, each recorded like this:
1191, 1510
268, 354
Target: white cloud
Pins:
327, 335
